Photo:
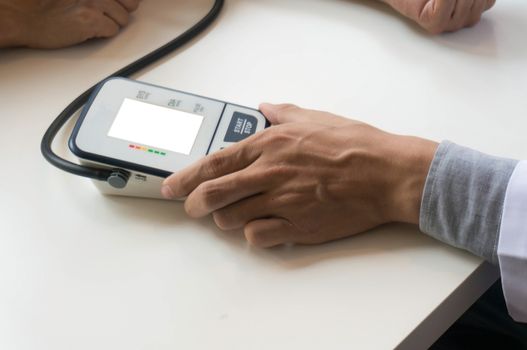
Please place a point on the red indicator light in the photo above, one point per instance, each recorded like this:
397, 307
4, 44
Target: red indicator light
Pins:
131, 146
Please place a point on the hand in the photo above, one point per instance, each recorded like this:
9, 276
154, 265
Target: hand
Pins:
58, 23
310, 178
437, 16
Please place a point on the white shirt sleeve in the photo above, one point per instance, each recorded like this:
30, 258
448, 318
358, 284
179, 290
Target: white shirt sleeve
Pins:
512, 245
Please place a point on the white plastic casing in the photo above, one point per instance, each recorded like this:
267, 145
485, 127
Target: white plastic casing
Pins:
95, 143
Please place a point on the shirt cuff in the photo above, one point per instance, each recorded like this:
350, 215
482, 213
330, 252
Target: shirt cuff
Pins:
463, 199
512, 245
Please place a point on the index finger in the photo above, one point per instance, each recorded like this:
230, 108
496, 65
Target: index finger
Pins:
218, 164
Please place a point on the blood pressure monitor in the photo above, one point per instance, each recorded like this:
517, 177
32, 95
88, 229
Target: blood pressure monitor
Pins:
146, 132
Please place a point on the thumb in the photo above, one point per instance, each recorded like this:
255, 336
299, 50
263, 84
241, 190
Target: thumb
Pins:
288, 113
281, 113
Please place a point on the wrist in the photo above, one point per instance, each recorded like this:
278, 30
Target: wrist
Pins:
411, 164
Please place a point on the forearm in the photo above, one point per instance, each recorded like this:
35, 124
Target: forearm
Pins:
463, 199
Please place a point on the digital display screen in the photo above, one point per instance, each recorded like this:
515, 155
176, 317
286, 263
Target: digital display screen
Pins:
156, 126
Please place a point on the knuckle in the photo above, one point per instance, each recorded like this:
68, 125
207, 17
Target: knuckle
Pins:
213, 165
285, 110
189, 209
435, 21
263, 136
244, 152
279, 170
255, 238
227, 219
210, 194
87, 22
239, 153
86, 14
277, 136
221, 220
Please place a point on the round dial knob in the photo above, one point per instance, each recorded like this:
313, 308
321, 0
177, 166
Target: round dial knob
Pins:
118, 178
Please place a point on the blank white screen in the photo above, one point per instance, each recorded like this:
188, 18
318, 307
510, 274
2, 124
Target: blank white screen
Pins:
156, 126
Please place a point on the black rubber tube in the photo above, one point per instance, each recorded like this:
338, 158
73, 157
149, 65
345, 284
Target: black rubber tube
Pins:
69, 111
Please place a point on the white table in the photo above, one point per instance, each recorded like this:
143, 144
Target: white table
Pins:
82, 271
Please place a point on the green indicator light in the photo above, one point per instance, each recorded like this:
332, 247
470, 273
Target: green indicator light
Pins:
156, 152
151, 150
163, 153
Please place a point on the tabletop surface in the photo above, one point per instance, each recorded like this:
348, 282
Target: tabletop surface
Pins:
79, 270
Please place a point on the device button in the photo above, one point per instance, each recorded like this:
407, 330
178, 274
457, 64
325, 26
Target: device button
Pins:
118, 178
241, 126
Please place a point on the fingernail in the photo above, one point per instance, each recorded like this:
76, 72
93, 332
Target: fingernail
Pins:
267, 109
266, 105
167, 192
